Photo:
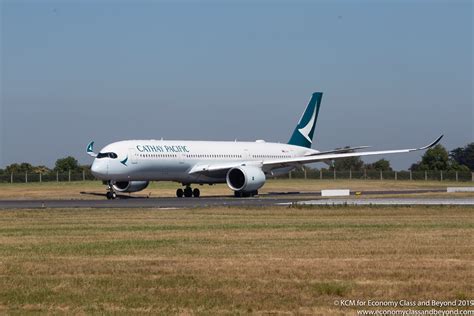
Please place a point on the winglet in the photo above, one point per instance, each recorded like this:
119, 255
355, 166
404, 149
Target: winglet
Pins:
432, 144
90, 150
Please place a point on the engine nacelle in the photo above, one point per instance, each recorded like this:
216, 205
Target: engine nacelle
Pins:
130, 186
245, 178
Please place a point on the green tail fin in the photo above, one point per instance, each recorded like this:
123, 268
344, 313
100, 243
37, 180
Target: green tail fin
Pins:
304, 131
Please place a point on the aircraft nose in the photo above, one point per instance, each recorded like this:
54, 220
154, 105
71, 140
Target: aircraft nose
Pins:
99, 169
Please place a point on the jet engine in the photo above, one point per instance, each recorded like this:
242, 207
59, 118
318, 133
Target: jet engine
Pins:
130, 186
245, 179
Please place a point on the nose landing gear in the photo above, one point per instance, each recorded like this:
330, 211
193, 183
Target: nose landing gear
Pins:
111, 195
188, 192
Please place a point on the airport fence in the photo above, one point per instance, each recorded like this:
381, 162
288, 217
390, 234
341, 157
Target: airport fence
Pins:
53, 176
306, 173
325, 174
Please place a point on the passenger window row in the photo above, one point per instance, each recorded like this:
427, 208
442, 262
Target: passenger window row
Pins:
113, 155
271, 156
212, 156
158, 155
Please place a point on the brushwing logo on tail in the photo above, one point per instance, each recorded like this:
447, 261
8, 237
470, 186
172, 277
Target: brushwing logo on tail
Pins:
307, 129
303, 133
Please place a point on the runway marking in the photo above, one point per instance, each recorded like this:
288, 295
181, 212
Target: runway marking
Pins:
390, 201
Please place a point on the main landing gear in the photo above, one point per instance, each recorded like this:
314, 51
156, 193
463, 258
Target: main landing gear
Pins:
111, 195
188, 192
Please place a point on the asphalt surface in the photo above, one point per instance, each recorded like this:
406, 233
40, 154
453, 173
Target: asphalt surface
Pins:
142, 203
388, 201
273, 198
368, 192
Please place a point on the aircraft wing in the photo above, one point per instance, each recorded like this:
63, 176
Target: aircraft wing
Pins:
340, 150
271, 164
209, 168
268, 165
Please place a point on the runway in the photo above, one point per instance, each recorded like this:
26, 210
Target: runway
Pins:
387, 201
144, 203
270, 199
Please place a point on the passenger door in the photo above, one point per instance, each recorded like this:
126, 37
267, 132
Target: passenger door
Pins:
132, 154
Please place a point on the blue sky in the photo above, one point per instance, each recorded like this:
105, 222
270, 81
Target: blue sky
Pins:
395, 74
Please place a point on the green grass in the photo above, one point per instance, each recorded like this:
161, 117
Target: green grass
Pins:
231, 260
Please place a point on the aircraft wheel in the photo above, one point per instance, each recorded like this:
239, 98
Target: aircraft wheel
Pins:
237, 194
196, 193
111, 195
179, 193
188, 192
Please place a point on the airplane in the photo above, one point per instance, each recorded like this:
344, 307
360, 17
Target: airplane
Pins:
128, 166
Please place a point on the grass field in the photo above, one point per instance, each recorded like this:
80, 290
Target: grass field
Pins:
71, 190
230, 260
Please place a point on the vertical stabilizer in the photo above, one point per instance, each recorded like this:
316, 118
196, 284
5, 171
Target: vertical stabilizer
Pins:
304, 131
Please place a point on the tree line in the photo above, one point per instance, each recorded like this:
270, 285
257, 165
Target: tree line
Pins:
434, 159
62, 165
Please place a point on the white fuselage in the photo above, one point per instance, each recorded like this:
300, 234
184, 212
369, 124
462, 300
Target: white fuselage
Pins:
159, 160
129, 166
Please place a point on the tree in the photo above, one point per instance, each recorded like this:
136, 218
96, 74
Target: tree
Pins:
457, 167
19, 168
350, 163
66, 164
14, 167
41, 169
379, 165
85, 167
437, 159
464, 156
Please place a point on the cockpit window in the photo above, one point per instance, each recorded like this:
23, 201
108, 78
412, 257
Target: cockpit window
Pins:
107, 155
